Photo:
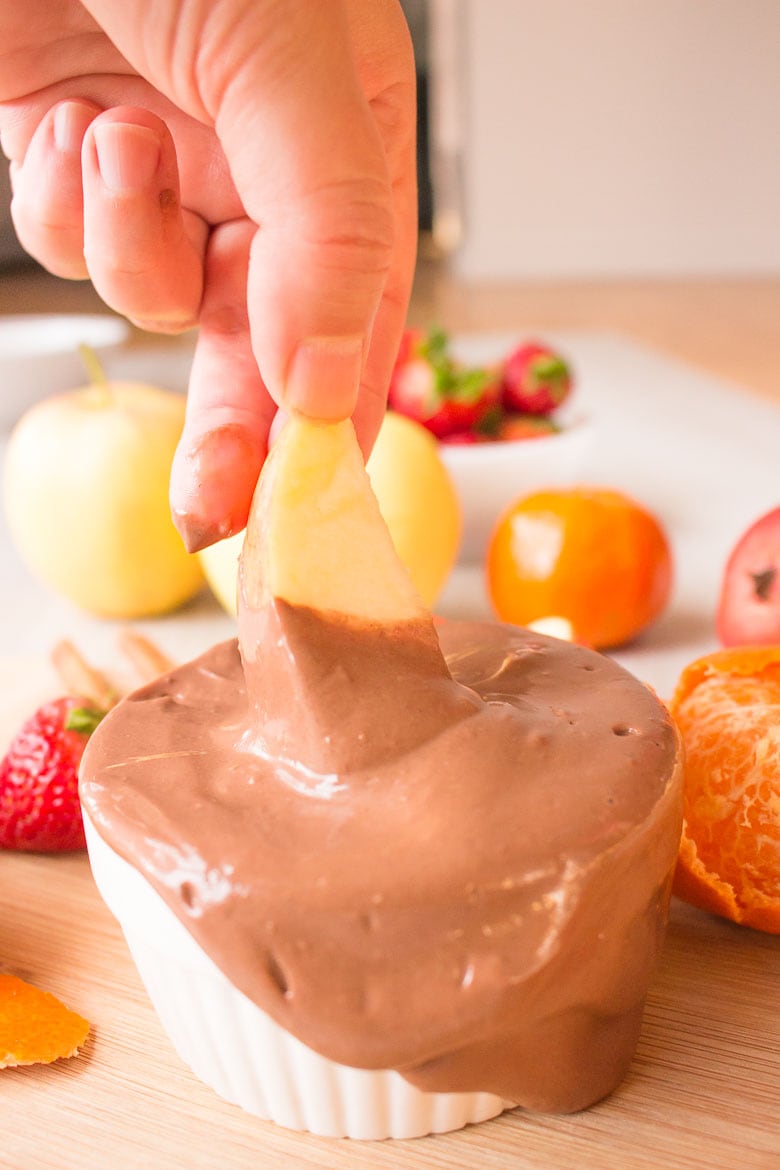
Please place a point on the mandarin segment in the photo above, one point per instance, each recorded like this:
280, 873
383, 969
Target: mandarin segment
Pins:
35, 1026
727, 706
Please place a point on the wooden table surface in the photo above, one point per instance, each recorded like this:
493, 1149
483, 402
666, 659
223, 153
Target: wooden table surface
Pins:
730, 327
704, 1090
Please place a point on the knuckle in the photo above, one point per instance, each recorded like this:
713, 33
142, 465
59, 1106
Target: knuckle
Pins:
355, 220
56, 247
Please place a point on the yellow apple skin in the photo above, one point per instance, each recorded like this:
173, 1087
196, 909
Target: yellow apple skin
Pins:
86, 496
220, 567
418, 501
416, 498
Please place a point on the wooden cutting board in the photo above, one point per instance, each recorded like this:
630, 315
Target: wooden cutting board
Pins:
703, 1092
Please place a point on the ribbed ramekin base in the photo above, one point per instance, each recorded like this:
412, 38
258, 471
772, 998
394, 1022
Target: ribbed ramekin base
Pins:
241, 1053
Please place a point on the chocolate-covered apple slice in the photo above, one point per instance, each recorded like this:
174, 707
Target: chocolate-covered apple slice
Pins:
327, 612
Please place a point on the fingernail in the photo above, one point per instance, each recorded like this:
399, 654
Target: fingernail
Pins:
212, 483
128, 155
71, 122
324, 377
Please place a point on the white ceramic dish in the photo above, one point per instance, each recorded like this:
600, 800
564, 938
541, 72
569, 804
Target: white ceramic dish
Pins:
490, 476
241, 1053
39, 355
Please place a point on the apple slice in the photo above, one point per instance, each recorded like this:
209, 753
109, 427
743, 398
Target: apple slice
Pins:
341, 657
315, 535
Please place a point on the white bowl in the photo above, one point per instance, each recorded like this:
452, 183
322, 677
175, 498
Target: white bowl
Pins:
39, 355
241, 1053
490, 476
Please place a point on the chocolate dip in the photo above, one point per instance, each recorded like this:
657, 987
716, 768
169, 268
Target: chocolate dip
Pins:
463, 878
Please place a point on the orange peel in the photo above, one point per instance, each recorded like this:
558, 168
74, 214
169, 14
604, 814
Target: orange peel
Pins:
727, 707
35, 1026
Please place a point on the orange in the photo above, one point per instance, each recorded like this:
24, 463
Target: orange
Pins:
592, 556
35, 1027
727, 707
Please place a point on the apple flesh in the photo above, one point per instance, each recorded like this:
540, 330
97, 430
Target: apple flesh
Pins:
331, 628
749, 606
418, 502
315, 535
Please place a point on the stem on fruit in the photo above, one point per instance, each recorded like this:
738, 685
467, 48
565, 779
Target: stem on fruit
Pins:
148, 660
99, 384
81, 679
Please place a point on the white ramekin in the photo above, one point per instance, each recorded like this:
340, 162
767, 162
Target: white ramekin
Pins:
241, 1053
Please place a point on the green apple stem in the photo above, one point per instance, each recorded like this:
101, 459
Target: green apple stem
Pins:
99, 384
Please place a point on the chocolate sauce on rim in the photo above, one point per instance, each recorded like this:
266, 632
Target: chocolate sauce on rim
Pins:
464, 878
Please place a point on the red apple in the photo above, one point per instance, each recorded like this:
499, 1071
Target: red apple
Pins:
749, 607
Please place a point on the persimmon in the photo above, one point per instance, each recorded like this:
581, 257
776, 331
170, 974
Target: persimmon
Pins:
727, 707
590, 555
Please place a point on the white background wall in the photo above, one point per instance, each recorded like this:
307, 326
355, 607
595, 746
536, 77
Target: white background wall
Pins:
618, 137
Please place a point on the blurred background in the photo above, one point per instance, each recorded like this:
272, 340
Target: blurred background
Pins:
608, 164
605, 138
602, 138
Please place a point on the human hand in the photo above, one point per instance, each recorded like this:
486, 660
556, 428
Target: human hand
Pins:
248, 168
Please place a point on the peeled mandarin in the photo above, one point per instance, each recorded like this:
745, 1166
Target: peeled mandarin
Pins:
727, 707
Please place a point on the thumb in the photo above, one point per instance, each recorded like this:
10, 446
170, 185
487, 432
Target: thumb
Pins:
310, 166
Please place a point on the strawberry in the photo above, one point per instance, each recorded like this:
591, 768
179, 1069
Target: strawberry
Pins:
431, 387
463, 438
525, 426
535, 379
39, 802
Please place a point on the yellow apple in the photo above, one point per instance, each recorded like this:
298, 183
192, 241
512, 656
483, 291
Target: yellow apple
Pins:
86, 496
220, 567
416, 499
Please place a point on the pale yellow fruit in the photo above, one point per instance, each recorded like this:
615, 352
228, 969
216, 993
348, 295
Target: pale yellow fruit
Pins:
315, 535
220, 567
416, 499
86, 495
